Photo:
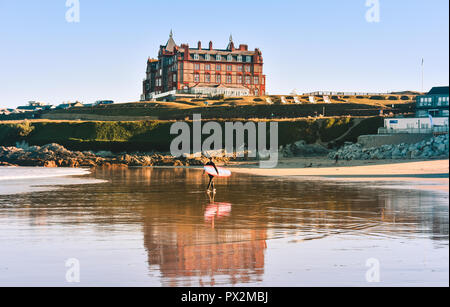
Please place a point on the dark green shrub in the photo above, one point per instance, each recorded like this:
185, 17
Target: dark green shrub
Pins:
378, 97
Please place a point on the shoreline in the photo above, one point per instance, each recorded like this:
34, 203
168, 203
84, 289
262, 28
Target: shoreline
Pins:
429, 174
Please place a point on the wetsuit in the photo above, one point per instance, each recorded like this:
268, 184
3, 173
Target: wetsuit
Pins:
211, 177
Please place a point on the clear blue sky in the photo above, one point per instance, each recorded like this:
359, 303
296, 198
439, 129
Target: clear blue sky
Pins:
306, 45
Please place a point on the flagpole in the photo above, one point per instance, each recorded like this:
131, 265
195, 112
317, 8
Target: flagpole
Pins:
422, 75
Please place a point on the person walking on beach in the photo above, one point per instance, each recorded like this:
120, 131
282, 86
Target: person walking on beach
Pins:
211, 177
336, 159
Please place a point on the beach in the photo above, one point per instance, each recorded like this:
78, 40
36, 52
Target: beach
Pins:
434, 173
156, 226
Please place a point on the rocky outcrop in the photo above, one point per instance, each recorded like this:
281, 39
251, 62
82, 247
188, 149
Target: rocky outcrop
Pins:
301, 149
436, 147
54, 155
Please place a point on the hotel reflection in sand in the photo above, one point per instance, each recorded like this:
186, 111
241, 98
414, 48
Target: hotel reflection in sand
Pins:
193, 254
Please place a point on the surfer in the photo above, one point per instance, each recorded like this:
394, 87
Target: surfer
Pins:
211, 177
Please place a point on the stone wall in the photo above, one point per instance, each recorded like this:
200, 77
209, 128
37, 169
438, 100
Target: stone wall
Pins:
368, 141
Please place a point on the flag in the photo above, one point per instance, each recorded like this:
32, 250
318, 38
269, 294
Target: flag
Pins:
431, 120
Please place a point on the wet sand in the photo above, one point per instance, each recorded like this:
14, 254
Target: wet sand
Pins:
433, 173
133, 228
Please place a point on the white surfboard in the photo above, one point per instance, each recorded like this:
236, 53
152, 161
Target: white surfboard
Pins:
222, 171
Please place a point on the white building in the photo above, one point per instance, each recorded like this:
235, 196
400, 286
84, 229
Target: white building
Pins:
415, 125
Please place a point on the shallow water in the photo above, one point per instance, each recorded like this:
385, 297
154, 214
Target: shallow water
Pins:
152, 227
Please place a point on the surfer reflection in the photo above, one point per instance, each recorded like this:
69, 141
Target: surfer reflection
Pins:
216, 210
211, 177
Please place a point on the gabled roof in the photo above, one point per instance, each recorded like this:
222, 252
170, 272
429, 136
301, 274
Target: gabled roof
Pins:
439, 90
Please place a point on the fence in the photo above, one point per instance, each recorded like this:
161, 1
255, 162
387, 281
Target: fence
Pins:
435, 130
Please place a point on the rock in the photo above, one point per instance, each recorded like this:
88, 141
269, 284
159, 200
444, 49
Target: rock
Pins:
50, 164
434, 147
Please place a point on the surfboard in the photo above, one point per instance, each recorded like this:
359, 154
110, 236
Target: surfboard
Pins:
222, 171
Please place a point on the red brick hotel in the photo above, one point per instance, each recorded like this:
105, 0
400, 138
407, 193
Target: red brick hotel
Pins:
207, 71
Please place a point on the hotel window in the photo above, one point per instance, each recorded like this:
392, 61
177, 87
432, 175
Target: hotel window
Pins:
240, 68
229, 80
197, 78
207, 67
218, 57
247, 80
207, 57
239, 78
262, 80
239, 58
218, 67
256, 92
229, 58
196, 66
174, 78
207, 78
196, 57
229, 68
247, 68
218, 79
255, 80
248, 59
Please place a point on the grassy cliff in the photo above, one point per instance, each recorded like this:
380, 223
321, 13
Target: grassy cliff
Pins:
155, 135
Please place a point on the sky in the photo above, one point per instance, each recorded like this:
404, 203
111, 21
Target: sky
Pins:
320, 45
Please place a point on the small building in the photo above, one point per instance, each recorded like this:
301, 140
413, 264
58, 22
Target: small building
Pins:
434, 103
34, 106
103, 102
415, 125
431, 115
4, 112
69, 105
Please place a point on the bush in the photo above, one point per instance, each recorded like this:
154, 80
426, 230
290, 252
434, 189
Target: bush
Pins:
378, 97
218, 97
334, 127
393, 98
359, 97
24, 129
289, 97
258, 99
404, 98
